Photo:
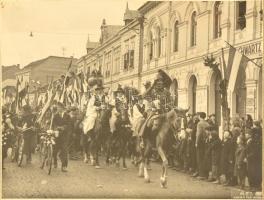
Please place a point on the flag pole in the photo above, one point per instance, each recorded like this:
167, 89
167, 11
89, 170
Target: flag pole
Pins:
249, 59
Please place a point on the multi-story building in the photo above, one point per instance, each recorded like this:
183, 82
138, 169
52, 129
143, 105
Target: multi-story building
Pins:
176, 36
40, 73
118, 54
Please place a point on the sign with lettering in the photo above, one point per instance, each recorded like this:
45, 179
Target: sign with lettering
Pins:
249, 49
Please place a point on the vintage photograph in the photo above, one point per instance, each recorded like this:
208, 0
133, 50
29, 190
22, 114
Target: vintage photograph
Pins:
131, 99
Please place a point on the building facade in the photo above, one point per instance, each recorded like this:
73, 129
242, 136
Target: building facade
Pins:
176, 36
38, 74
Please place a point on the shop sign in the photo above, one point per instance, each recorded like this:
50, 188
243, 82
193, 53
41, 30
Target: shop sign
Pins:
254, 48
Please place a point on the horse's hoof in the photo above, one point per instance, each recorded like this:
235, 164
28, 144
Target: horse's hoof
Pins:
85, 161
140, 175
147, 180
124, 168
97, 167
163, 182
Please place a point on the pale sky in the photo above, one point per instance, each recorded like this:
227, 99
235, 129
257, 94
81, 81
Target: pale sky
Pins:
55, 24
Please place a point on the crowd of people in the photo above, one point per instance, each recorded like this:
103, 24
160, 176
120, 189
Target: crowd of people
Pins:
198, 149
228, 161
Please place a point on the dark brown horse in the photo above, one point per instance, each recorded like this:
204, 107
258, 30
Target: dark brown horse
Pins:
160, 133
120, 138
99, 135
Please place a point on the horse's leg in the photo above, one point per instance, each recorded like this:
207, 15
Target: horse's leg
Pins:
124, 157
164, 174
85, 148
147, 153
141, 169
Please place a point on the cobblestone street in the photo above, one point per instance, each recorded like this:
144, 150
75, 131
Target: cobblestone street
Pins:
84, 181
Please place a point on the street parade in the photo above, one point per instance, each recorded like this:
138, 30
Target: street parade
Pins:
125, 124
161, 101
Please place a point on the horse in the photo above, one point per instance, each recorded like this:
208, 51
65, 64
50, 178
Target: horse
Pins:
99, 134
160, 132
121, 135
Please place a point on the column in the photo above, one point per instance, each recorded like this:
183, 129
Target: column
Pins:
251, 101
225, 22
202, 99
182, 98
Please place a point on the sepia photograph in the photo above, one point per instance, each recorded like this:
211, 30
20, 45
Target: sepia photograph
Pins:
131, 99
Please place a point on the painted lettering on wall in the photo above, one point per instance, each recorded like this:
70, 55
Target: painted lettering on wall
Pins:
254, 48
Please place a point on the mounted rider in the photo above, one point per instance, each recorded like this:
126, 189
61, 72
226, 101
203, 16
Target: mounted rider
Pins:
158, 96
96, 102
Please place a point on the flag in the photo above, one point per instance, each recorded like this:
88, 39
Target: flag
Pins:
66, 82
223, 66
50, 95
17, 95
236, 62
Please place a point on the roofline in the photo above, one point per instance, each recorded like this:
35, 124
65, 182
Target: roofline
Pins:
109, 40
148, 6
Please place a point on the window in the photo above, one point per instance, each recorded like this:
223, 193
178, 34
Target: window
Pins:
193, 29
241, 7
108, 64
159, 42
217, 19
117, 61
151, 46
100, 65
176, 37
126, 61
131, 58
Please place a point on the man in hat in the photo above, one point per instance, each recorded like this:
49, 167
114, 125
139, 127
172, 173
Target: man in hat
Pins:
93, 106
120, 99
160, 90
62, 123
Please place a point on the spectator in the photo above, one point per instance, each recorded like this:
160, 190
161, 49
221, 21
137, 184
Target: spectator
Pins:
257, 138
249, 122
227, 158
212, 121
193, 148
252, 160
200, 142
240, 164
207, 160
216, 154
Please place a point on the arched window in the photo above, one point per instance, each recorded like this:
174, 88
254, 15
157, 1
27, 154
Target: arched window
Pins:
151, 46
158, 42
217, 19
241, 7
193, 29
176, 37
